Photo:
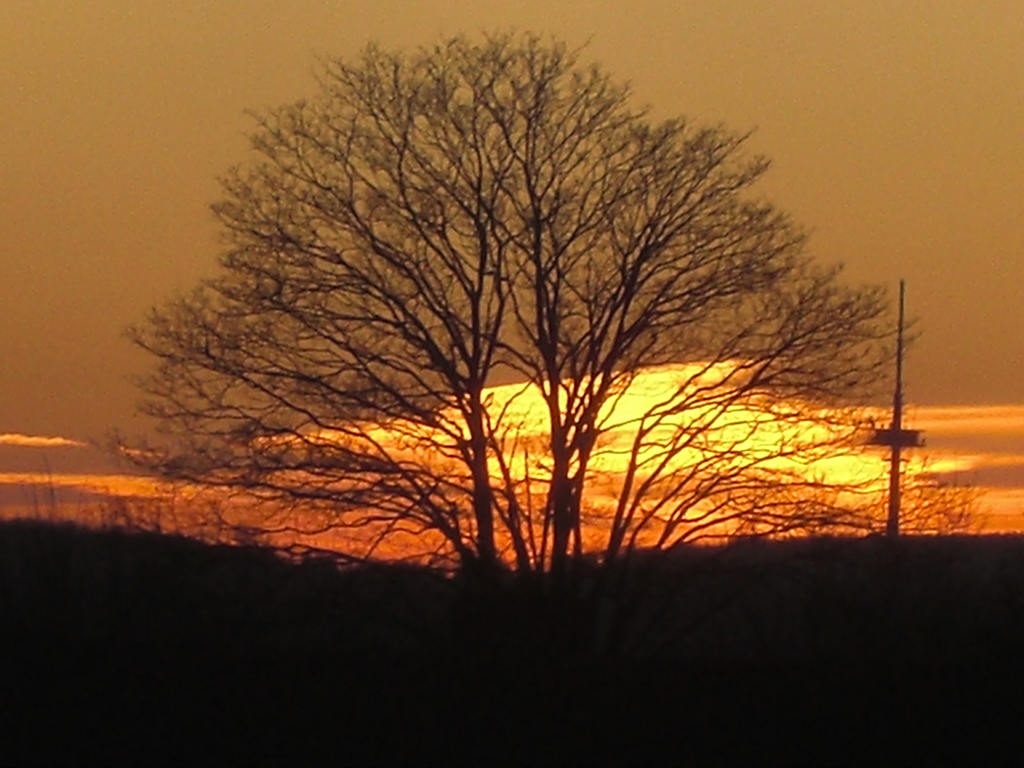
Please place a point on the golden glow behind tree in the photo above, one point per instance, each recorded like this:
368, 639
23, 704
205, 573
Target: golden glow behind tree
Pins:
435, 223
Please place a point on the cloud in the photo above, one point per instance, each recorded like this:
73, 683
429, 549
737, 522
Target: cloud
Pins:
36, 441
111, 485
974, 419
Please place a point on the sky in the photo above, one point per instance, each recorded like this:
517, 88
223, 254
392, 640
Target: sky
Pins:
894, 127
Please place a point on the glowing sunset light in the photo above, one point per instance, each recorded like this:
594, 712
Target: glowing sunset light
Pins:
990, 460
792, 453
754, 434
667, 427
36, 441
661, 403
988, 419
109, 485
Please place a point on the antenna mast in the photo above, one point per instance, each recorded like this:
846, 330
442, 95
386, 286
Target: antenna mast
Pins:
896, 438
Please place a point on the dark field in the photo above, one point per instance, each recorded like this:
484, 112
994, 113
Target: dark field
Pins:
126, 648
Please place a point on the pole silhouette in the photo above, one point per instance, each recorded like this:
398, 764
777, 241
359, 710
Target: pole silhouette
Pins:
896, 438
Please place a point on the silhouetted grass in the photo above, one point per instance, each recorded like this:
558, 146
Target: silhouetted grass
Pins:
136, 648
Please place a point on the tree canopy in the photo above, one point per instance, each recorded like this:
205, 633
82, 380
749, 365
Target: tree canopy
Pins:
472, 292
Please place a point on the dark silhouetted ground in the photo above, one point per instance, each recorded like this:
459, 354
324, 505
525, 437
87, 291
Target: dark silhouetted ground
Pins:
125, 648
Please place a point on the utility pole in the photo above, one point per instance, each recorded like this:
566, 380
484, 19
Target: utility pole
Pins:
896, 438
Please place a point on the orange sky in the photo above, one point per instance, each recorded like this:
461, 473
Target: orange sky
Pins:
895, 128
981, 446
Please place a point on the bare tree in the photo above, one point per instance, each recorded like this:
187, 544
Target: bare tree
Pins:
942, 507
450, 282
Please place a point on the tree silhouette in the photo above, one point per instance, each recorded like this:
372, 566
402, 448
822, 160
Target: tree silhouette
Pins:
451, 281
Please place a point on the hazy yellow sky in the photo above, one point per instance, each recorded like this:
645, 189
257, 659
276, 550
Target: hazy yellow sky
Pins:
896, 129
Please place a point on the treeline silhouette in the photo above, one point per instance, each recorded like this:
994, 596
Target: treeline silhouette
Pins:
139, 648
